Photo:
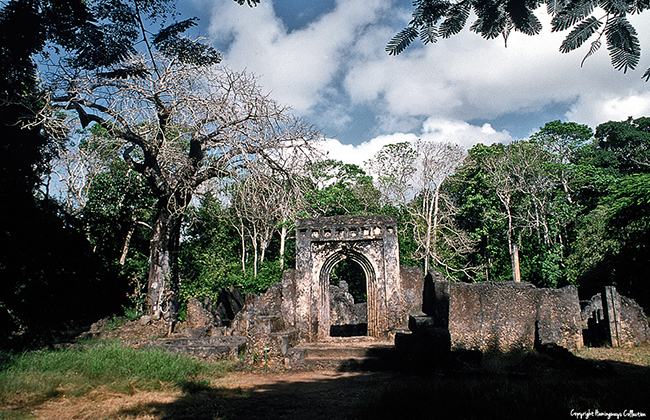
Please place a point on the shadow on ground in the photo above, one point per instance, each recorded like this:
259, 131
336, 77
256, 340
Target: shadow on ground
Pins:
549, 385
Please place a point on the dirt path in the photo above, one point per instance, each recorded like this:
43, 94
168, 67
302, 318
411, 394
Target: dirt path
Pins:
303, 395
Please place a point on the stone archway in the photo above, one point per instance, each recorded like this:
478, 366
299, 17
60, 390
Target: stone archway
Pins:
370, 241
371, 284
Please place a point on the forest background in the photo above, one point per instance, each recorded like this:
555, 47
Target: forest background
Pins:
566, 206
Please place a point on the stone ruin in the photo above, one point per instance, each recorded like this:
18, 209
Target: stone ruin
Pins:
402, 305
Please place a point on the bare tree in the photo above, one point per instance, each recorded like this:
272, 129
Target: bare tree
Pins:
411, 176
266, 201
522, 187
179, 125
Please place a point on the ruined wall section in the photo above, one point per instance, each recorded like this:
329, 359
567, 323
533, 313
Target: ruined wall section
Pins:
559, 319
505, 316
490, 316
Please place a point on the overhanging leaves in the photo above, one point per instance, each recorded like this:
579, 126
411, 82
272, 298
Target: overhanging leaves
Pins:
572, 13
623, 44
455, 20
401, 40
580, 34
174, 30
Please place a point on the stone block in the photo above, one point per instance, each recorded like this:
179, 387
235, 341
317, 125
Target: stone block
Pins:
559, 319
492, 316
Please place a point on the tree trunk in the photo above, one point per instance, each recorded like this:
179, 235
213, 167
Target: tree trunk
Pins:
127, 243
512, 245
164, 280
283, 239
516, 275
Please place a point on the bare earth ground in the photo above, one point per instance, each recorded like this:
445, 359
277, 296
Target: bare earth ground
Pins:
288, 395
303, 395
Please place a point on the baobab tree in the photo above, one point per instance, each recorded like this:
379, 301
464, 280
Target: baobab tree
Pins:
179, 124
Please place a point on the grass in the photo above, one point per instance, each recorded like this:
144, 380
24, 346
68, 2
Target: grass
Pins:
31, 378
530, 386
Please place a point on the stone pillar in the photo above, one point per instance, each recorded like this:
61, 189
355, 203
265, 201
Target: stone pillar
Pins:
612, 309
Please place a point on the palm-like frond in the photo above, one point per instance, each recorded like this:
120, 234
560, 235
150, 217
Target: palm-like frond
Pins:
580, 34
646, 75
251, 3
615, 7
491, 19
522, 18
173, 30
189, 51
555, 6
402, 40
572, 13
429, 34
623, 44
456, 19
137, 71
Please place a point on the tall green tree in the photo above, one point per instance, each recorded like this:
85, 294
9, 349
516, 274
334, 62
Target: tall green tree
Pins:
612, 238
335, 188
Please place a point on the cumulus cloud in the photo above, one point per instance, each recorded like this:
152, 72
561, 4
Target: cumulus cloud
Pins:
336, 66
433, 130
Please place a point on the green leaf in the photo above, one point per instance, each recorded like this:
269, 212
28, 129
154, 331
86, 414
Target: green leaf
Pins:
623, 44
429, 34
455, 21
137, 71
554, 7
251, 3
615, 7
173, 31
572, 13
580, 34
491, 20
523, 18
401, 40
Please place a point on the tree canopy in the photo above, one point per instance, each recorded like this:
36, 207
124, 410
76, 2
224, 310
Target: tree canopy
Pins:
597, 21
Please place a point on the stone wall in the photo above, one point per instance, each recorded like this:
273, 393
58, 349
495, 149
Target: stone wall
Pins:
505, 316
559, 319
412, 287
627, 324
491, 316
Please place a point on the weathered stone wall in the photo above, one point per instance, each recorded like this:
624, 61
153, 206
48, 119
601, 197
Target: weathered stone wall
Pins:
505, 316
627, 324
559, 318
412, 287
492, 316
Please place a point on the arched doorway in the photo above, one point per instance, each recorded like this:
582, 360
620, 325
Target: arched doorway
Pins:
348, 300
349, 317
368, 241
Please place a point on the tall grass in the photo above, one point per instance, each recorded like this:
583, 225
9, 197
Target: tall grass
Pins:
36, 376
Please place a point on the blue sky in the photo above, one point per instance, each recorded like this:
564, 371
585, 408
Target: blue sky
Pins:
326, 60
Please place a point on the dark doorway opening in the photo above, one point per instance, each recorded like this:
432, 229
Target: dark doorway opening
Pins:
348, 300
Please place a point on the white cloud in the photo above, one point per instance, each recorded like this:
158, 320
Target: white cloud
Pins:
433, 130
596, 108
337, 65
296, 66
